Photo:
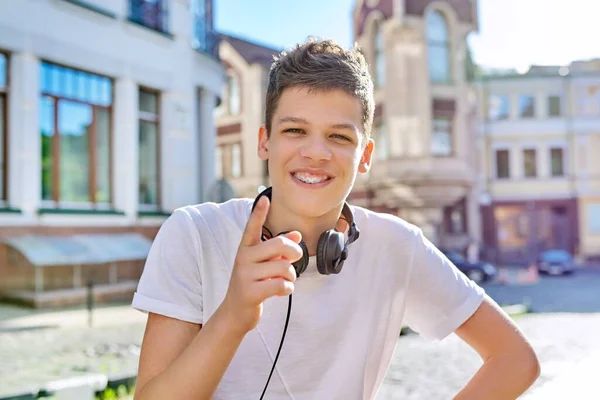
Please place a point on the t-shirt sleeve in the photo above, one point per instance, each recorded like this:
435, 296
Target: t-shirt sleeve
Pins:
439, 297
170, 283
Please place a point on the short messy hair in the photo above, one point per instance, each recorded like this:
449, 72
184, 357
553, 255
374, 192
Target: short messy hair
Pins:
322, 65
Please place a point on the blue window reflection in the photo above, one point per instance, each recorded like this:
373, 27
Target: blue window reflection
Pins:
3, 69
71, 84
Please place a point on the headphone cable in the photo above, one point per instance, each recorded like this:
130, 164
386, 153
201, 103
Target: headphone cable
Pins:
287, 320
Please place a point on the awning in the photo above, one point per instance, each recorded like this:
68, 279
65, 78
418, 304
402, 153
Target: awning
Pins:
84, 249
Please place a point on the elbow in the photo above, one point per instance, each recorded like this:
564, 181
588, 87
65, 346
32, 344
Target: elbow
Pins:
531, 368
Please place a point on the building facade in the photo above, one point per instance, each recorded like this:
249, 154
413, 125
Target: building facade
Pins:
540, 138
425, 167
241, 112
106, 118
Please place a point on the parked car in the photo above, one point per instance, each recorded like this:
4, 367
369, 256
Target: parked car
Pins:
555, 262
479, 271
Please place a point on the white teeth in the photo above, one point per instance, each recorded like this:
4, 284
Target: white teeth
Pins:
310, 178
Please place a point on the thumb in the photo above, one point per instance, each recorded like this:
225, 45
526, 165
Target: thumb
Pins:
294, 236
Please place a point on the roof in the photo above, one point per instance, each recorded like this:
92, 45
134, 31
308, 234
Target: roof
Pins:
576, 68
84, 249
252, 52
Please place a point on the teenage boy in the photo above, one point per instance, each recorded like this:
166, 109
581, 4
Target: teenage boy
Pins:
217, 281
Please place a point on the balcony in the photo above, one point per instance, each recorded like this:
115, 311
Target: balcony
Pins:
419, 181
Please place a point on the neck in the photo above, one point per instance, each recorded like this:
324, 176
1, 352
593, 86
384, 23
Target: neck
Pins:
281, 219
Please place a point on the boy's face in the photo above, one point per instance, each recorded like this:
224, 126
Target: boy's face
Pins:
315, 149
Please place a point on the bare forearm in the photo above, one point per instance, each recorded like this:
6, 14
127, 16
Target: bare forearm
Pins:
196, 373
501, 378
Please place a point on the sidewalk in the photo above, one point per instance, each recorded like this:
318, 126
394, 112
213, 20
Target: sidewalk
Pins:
101, 316
581, 382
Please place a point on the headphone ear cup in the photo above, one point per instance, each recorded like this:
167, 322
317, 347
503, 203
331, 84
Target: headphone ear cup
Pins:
329, 251
301, 265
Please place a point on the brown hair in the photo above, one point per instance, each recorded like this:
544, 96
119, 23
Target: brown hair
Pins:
322, 65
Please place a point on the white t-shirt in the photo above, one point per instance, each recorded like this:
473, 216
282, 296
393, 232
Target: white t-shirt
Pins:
343, 328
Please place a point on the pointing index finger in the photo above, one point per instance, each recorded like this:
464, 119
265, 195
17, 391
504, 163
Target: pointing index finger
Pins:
253, 231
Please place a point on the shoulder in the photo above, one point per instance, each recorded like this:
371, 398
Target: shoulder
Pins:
384, 226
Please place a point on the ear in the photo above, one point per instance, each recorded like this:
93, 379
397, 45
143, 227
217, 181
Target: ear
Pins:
366, 158
263, 143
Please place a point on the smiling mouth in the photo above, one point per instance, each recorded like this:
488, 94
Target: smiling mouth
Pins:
311, 178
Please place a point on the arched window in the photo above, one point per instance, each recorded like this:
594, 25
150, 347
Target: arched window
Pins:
379, 56
438, 48
233, 94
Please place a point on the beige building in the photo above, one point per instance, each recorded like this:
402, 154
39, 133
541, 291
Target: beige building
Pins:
425, 129
240, 114
541, 170
425, 167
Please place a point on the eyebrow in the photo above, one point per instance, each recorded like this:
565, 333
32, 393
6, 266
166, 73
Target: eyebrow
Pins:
305, 122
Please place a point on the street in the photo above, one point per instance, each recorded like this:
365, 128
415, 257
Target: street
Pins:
564, 329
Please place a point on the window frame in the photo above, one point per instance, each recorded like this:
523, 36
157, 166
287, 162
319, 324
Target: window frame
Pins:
5, 94
560, 105
501, 97
445, 44
451, 133
496, 165
534, 107
563, 169
56, 201
134, 16
524, 151
157, 120
225, 152
234, 77
593, 226
379, 55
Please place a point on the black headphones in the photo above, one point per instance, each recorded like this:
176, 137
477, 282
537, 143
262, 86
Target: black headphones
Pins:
332, 249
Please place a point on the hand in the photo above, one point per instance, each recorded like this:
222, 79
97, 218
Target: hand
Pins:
261, 270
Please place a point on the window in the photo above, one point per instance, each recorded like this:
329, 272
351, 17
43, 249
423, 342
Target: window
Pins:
379, 56
557, 167
229, 160
502, 164
75, 125
219, 162
438, 48
150, 13
441, 136
382, 144
3, 127
203, 35
233, 94
529, 163
455, 217
498, 108
149, 146
526, 106
593, 217
236, 160
554, 106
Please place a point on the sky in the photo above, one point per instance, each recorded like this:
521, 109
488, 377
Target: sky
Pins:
512, 33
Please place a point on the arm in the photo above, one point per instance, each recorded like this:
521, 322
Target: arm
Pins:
181, 360
510, 365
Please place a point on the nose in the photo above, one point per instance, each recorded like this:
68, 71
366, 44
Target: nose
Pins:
315, 147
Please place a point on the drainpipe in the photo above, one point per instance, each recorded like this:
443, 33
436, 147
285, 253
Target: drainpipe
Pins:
572, 167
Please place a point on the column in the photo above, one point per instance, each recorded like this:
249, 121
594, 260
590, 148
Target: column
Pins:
207, 139
24, 144
125, 147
